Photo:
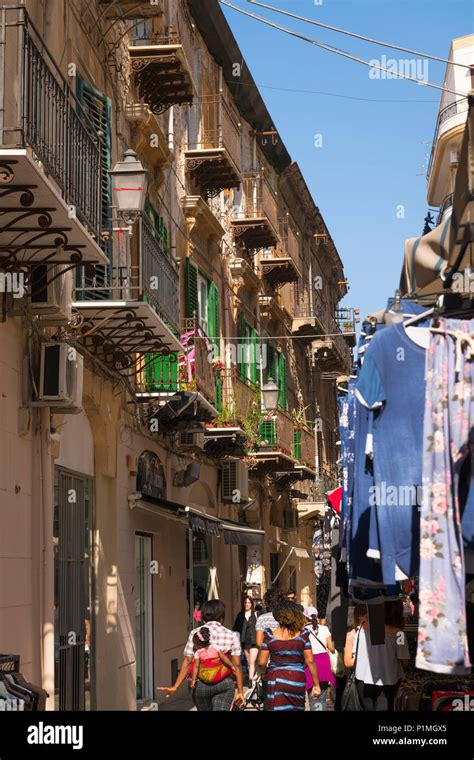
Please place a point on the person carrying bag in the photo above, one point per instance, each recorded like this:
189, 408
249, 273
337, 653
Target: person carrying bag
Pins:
322, 646
350, 701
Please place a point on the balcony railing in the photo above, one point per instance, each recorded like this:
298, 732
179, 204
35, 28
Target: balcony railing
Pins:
213, 147
163, 63
289, 245
192, 371
155, 279
307, 447
38, 110
447, 203
255, 225
452, 109
277, 434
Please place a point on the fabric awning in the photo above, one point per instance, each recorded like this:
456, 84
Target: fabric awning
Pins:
425, 258
203, 524
236, 533
160, 507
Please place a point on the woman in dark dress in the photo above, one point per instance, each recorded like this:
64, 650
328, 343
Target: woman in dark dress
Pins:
245, 626
289, 650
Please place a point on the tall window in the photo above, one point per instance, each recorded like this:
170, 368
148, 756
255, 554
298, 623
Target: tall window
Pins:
143, 618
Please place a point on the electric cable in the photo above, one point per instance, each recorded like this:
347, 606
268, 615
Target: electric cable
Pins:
359, 36
338, 51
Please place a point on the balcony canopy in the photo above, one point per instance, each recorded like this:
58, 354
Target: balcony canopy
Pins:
36, 224
119, 331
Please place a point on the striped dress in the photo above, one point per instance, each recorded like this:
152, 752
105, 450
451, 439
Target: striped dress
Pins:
286, 680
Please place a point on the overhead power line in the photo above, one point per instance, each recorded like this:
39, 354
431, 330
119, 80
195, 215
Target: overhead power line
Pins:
338, 51
329, 94
359, 36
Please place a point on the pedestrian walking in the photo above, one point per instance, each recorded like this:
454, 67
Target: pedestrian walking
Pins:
266, 621
321, 644
245, 625
210, 665
213, 697
285, 652
378, 667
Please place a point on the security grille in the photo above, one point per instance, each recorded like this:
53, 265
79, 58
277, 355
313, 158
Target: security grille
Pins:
73, 589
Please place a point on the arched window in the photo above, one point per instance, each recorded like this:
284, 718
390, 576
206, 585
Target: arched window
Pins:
151, 476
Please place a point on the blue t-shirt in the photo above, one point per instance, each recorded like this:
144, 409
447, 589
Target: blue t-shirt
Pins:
392, 382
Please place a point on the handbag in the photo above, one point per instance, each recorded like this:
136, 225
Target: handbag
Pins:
323, 664
350, 701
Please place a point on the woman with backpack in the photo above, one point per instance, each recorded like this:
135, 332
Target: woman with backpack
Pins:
213, 692
321, 644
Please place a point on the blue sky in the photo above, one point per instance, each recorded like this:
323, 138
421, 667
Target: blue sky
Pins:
376, 134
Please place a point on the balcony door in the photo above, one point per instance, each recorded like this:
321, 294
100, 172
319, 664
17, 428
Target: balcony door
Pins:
143, 617
73, 590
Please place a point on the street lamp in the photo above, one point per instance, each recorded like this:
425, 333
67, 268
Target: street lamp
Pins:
129, 185
270, 393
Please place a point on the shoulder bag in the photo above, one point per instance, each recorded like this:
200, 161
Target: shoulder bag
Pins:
350, 701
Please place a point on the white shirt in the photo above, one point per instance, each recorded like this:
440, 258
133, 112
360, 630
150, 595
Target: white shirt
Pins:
380, 664
323, 633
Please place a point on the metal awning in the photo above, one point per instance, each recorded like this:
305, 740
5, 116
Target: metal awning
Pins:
36, 225
118, 331
203, 523
236, 533
159, 507
183, 406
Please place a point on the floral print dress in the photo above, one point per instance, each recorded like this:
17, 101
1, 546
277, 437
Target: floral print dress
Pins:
448, 430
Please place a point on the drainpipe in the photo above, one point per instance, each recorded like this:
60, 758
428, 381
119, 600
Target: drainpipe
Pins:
47, 559
173, 193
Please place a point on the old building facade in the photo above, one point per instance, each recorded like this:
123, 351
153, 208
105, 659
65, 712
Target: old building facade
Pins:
174, 480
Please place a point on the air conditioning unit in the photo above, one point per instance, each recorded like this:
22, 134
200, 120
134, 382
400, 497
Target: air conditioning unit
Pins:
235, 481
191, 441
51, 294
290, 519
61, 376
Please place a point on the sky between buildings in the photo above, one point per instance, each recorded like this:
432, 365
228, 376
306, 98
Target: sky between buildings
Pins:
363, 144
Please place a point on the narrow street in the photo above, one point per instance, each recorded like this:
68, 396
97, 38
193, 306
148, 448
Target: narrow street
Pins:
237, 369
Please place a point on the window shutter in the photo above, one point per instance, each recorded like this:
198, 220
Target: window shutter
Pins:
254, 368
219, 394
191, 305
282, 382
297, 444
272, 363
213, 316
243, 366
161, 373
98, 108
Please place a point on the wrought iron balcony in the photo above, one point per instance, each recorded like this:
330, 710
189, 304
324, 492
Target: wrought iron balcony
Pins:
50, 156
162, 64
192, 371
333, 353
213, 153
129, 310
347, 318
446, 113
447, 203
155, 279
281, 267
276, 447
255, 225
305, 447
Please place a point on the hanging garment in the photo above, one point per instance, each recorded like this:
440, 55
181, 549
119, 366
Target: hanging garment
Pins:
447, 442
392, 381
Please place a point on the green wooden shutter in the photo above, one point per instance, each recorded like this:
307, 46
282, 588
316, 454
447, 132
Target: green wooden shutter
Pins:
161, 373
98, 108
213, 316
254, 367
272, 363
219, 394
282, 381
243, 366
191, 274
297, 444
